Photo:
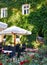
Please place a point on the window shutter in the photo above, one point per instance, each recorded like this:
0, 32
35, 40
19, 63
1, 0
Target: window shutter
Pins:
2, 13
23, 9
5, 12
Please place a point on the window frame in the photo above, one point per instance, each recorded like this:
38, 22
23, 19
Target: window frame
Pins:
24, 7
3, 12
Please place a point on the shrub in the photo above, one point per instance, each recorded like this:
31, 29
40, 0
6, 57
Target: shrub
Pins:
40, 58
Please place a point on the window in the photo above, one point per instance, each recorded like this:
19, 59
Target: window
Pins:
3, 12
25, 9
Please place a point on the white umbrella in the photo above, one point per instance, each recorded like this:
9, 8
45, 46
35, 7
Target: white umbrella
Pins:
3, 25
16, 31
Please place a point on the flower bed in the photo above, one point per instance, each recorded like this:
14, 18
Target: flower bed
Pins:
31, 50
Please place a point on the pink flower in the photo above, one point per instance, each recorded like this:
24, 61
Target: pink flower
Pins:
2, 51
26, 61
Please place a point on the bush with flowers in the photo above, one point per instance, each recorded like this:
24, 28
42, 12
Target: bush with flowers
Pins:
40, 57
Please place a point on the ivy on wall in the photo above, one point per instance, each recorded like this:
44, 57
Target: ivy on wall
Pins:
36, 21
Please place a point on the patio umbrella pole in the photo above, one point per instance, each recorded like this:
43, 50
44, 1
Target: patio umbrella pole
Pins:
14, 39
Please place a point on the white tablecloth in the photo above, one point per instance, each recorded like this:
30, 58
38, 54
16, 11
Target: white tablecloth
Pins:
7, 51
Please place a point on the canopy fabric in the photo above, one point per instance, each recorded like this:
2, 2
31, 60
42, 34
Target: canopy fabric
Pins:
3, 25
15, 30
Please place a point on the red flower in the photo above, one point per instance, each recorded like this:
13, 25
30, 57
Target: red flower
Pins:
22, 62
25, 61
0, 63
